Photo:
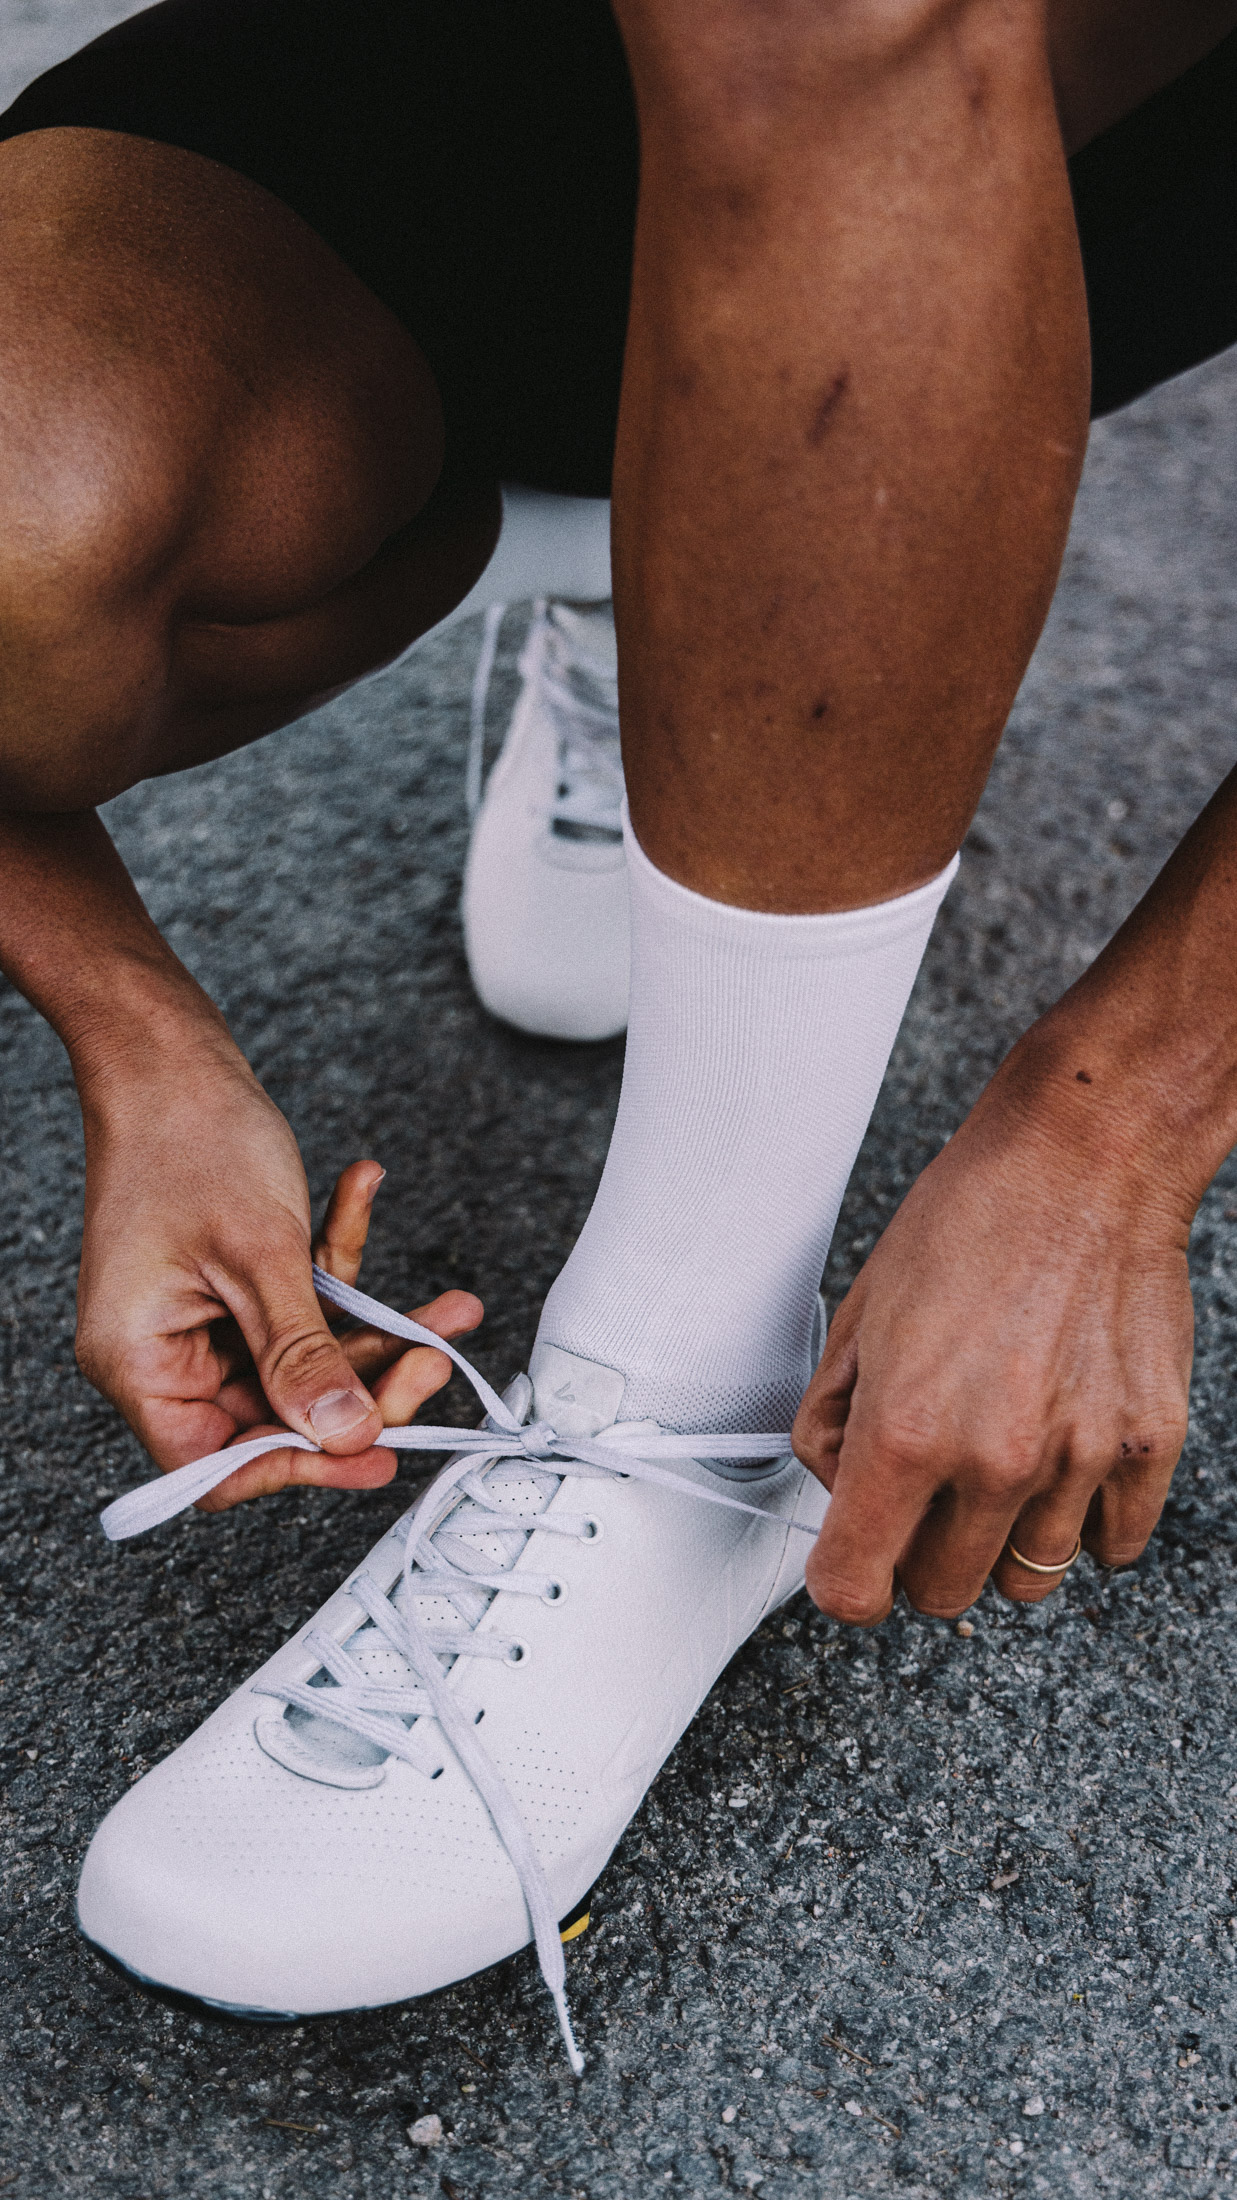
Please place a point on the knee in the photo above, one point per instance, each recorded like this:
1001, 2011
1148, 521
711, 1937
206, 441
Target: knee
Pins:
94, 494
91, 517
205, 422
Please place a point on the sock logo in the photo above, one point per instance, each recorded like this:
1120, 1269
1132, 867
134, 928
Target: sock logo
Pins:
579, 1396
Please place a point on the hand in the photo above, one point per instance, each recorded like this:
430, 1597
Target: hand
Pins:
1013, 1362
197, 1315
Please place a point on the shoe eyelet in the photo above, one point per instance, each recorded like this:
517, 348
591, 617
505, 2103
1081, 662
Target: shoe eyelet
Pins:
517, 1653
554, 1592
591, 1529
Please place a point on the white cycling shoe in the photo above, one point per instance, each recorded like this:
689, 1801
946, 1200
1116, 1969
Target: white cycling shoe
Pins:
436, 1768
545, 885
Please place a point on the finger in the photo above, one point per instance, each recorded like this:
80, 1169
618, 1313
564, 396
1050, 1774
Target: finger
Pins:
1112, 1512
880, 1495
1045, 1533
340, 1244
242, 1399
304, 1372
453, 1314
279, 1470
167, 1386
956, 1546
416, 1376
178, 1430
1128, 1503
820, 1423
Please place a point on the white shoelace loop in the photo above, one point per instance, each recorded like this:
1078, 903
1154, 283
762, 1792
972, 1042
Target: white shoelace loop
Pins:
378, 1712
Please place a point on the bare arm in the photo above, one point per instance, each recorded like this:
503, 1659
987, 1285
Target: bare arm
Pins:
1015, 1357
197, 1314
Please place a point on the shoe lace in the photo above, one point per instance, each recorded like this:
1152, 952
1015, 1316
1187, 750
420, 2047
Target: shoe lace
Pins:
463, 1501
582, 698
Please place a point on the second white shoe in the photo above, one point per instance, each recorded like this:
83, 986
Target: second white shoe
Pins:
545, 885
437, 1767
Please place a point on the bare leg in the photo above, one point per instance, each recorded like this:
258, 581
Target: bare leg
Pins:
219, 468
853, 420
853, 416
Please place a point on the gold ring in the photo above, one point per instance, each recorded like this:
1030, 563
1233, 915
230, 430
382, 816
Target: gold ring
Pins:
1033, 1568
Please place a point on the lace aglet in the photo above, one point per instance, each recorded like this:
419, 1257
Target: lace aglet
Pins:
574, 2057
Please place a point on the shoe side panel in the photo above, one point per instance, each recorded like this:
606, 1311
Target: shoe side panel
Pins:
227, 1875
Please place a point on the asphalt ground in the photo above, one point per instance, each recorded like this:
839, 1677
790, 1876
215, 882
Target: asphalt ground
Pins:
906, 1913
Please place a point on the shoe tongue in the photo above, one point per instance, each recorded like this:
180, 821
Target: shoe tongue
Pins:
590, 635
579, 1397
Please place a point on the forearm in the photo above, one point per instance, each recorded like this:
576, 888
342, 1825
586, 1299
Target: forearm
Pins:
196, 1200
1009, 1376
77, 941
1137, 1063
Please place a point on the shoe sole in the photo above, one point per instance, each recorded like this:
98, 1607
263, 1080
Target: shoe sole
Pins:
176, 1997
570, 1928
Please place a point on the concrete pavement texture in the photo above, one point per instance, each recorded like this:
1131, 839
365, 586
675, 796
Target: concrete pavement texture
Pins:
906, 1913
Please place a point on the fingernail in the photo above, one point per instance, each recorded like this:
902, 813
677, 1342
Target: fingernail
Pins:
336, 1412
374, 1186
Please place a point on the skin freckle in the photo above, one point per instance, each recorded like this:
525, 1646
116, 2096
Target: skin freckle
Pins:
977, 92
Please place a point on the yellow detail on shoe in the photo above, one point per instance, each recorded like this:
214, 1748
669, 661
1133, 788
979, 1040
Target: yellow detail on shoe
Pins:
575, 1922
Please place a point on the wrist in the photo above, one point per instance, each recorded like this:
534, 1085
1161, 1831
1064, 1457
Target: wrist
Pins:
1147, 1112
76, 939
156, 1024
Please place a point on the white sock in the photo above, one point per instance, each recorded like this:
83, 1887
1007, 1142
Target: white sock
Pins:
755, 1052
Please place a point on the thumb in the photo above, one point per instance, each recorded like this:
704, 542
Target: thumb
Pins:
820, 1423
306, 1376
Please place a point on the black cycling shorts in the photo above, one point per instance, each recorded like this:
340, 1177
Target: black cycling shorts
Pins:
475, 163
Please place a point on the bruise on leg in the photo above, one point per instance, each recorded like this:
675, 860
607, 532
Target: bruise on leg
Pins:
826, 407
